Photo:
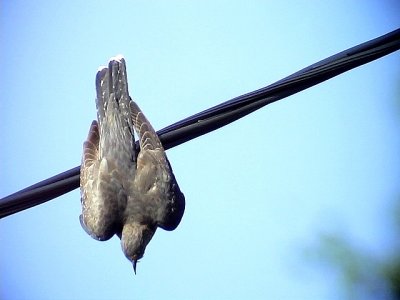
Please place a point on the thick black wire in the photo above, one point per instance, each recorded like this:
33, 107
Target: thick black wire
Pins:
220, 115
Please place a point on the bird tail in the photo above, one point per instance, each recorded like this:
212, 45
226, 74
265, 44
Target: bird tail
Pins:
117, 140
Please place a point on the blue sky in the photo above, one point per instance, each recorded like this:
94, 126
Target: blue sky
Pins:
258, 191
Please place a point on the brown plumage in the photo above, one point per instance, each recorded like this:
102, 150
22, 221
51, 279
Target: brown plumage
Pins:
123, 192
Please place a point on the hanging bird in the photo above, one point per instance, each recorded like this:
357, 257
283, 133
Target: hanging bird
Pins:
123, 191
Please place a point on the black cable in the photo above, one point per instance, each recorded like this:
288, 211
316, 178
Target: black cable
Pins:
220, 115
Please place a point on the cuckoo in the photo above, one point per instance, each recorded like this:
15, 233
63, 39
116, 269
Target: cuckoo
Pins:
125, 190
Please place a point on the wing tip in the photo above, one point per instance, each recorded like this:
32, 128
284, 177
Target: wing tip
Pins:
101, 74
101, 68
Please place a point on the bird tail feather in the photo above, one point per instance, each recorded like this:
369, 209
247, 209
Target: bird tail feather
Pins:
117, 140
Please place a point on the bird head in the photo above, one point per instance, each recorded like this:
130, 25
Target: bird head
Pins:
134, 240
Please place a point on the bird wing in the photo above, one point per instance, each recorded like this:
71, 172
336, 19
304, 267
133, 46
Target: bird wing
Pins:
148, 138
151, 160
154, 178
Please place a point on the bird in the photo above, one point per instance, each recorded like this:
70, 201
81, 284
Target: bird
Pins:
125, 191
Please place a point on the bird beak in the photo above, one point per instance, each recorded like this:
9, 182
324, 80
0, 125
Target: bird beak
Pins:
134, 266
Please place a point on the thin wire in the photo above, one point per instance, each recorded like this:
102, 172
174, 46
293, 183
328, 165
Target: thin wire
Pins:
220, 115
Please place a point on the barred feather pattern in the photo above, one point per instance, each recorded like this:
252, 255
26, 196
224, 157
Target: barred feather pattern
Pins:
123, 192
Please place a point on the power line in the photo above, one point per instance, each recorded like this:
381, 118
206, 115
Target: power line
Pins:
220, 115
